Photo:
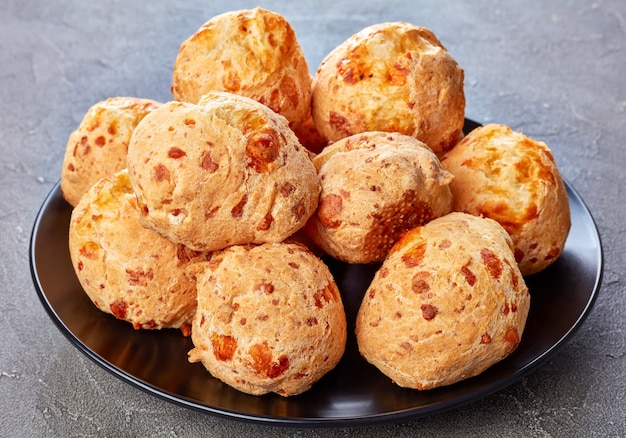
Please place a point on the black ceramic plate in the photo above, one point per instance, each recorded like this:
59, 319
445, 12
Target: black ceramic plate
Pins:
354, 392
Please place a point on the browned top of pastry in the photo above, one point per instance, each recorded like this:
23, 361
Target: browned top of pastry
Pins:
394, 77
513, 179
98, 147
254, 53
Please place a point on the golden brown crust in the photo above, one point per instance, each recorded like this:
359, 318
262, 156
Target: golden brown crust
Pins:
513, 179
269, 319
253, 53
98, 147
375, 185
125, 269
223, 172
447, 303
394, 77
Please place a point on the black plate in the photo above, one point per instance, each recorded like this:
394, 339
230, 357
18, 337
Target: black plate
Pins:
354, 392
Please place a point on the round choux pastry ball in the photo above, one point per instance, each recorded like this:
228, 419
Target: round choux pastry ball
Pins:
394, 77
447, 303
225, 171
270, 318
513, 179
125, 269
99, 145
251, 52
375, 186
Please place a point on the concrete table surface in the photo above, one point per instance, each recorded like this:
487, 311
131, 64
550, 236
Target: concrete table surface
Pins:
555, 70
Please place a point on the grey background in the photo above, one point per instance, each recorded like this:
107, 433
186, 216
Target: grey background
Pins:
555, 70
